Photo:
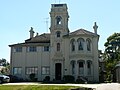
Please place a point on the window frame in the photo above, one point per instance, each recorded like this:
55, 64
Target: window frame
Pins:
81, 42
46, 48
18, 49
88, 43
45, 70
58, 47
89, 67
58, 34
81, 68
58, 20
30, 70
32, 49
18, 71
72, 43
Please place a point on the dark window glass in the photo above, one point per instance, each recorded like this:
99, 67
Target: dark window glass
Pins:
58, 34
46, 48
58, 46
80, 64
32, 49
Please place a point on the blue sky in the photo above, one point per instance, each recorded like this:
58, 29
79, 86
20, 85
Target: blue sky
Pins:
17, 16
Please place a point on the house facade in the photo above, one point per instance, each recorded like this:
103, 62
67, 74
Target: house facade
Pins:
59, 52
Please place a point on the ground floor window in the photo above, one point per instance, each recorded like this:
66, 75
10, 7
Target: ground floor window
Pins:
30, 70
17, 70
89, 67
73, 67
81, 68
45, 70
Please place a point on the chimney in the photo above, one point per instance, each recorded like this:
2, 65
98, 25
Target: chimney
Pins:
95, 27
31, 32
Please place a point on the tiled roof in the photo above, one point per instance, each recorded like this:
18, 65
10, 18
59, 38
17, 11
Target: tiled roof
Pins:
43, 38
82, 32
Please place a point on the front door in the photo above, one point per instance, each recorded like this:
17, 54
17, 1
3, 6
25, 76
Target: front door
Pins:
58, 67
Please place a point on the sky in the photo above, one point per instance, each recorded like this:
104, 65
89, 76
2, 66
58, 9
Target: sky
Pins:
17, 16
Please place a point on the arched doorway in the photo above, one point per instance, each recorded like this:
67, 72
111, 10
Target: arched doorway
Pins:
58, 68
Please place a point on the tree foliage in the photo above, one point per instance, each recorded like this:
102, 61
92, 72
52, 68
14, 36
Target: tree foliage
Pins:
5, 69
112, 52
3, 62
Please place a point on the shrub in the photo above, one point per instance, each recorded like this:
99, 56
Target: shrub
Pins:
68, 78
47, 78
81, 79
32, 77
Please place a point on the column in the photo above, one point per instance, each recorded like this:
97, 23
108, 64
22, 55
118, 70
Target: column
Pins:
85, 69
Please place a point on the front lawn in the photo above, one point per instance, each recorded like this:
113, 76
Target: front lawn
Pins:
35, 87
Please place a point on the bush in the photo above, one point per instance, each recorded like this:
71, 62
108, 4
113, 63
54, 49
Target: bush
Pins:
47, 78
68, 78
81, 79
32, 77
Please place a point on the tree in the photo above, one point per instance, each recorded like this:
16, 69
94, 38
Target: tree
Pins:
6, 66
112, 54
3, 62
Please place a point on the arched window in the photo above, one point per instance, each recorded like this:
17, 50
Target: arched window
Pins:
58, 33
58, 20
81, 67
80, 44
72, 45
88, 42
58, 46
89, 67
73, 66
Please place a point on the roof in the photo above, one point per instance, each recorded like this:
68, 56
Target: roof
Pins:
82, 32
43, 38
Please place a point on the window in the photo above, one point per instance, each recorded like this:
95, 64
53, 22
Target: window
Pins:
46, 70
73, 67
46, 48
72, 45
58, 33
88, 41
17, 70
89, 67
58, 46
30, 70
80, 44
81, 67
58, 20
18, 49
32, 49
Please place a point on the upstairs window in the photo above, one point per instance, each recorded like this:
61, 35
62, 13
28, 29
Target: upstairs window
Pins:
80, 44
72, 45
46, 48
58, 46
58, 20
88, 41
58, 33
18, 49
32, 49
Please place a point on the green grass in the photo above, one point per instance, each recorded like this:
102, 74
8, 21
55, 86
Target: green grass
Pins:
35, 87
